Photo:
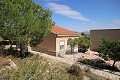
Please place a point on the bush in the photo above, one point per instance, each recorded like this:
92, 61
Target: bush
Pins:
98, 63
75, 70
13, 52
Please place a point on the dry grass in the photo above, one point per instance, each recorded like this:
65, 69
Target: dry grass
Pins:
40, 68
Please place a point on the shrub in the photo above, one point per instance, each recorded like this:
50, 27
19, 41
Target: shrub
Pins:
75, 70
98, 63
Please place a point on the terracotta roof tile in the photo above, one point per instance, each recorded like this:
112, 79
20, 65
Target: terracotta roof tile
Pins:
61, 31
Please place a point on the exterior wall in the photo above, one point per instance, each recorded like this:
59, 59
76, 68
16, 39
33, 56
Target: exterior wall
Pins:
65, 39
97, 35
49, 43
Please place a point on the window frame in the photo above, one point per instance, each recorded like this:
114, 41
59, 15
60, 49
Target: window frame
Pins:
62, 45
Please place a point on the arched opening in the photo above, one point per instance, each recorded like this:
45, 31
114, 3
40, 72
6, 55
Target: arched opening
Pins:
68, 43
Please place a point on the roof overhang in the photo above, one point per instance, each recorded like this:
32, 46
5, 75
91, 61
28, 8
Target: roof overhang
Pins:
68, 35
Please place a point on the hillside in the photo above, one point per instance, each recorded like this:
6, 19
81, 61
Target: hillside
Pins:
40, 68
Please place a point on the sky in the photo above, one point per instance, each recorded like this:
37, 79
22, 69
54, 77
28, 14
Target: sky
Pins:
84, 15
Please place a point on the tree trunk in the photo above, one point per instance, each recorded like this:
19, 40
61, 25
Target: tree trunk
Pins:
21, 51
72, 49
21, 47
114, 63
28, 46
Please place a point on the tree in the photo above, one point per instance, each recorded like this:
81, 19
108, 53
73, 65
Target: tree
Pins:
84, 41
1, 39
72, 44
24, 21
110, 48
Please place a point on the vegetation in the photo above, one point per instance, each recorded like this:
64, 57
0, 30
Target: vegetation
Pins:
24, 22
83, 43
98, 63
1, 39
40, 68
75, 70
34, 68
72, 44
110, 48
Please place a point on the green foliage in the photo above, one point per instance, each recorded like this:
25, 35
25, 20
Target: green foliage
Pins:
81, 42
24, 21
72, 44
110, 48
1, 39
98, 63
84, 41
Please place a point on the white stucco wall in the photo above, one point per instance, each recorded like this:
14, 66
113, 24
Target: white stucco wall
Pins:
65, 39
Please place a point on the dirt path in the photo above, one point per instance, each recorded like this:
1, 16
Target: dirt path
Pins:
57, 58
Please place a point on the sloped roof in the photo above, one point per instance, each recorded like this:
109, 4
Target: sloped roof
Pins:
62, 31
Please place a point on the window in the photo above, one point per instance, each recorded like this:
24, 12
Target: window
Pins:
62, 45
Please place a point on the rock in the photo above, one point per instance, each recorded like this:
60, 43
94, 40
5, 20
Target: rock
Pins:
12, 64
7, 67
86, 78
3, 69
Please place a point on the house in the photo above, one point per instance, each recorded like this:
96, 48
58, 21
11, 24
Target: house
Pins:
97, 35
56, 42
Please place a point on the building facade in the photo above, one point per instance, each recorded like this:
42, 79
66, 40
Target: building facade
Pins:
97, 35
56, 43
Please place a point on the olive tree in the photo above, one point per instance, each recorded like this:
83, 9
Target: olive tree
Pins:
110, 48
